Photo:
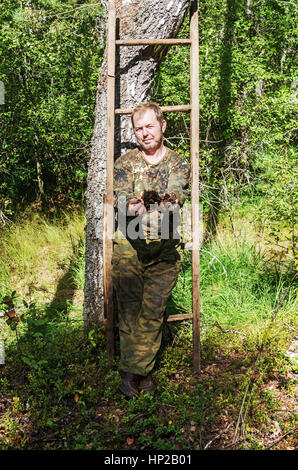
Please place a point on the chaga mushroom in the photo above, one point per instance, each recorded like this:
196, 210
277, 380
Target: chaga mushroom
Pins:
151, 197
169, 198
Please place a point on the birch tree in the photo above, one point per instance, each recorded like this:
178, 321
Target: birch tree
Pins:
135, 72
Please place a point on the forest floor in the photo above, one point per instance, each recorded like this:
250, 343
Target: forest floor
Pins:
58, 391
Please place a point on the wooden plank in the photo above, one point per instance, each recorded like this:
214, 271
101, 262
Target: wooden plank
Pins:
194, 150
155, 41
104, 255
165, 109
108, 201
179, 317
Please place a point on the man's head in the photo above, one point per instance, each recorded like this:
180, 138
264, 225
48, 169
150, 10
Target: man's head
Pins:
149, 126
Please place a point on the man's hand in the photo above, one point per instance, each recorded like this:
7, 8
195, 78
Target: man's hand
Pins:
136, 207
166, 205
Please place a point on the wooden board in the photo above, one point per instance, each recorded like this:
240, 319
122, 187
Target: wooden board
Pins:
109, 196
152, 42
194, 151
165, 109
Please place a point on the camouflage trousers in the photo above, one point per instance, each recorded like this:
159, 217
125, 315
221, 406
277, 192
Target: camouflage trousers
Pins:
142, 291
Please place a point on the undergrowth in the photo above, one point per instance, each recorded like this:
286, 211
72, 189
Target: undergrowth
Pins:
58, 390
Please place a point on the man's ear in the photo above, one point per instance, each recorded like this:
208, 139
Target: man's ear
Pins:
163, 126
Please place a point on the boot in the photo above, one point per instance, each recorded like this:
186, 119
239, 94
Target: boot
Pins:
147, 385
129, 384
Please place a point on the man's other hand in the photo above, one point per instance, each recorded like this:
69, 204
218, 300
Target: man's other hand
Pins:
167, 205
136, 207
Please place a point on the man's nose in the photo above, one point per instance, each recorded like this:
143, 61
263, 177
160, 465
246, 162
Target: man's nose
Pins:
145, 132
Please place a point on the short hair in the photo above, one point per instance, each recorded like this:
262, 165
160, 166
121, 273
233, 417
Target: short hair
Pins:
143, 107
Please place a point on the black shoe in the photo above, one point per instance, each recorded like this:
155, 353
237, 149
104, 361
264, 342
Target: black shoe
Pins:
147, 385
129, 384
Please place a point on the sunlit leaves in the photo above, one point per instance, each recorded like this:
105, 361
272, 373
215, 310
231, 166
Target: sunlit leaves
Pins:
49, 64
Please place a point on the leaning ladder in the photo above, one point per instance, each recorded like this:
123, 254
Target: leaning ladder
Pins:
193, 107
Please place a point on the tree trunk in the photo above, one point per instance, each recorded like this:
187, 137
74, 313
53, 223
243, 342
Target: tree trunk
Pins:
134, 75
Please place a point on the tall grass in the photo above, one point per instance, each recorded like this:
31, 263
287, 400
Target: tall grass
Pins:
77, 265
238, 287
52, 371
32, 249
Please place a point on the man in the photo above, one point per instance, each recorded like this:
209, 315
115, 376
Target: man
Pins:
145, 264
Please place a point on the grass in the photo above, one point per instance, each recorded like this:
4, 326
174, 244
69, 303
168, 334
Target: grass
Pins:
237, 286
57, 390
35, 251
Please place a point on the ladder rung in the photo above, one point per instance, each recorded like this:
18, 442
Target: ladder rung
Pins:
165, 109
149, 42
180, 316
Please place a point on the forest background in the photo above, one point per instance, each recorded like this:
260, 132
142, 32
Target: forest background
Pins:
51, 53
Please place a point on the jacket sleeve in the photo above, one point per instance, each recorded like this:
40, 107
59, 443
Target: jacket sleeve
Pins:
179, 176
123, 182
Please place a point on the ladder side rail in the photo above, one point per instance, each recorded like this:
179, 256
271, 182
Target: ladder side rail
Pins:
109, 206
165, 109
194, 150
153, 42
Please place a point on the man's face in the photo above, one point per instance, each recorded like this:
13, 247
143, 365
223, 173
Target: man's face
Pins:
148, 131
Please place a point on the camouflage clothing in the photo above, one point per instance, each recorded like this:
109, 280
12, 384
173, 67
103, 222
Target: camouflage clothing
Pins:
145, 270
133, 175
142, 292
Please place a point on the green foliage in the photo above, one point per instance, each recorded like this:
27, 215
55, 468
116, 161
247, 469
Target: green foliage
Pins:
58, 383
49, 64
77, 263
247, 100
278, 201
238, 287
34, 243
50, 59
63, 393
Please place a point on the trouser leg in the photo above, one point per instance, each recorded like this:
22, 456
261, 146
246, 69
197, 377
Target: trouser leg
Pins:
142, 293
145, 341
127, 275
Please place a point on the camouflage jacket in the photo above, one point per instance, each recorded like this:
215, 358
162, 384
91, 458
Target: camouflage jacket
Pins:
133, 175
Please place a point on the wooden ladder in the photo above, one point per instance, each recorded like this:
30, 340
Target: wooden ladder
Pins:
193, 107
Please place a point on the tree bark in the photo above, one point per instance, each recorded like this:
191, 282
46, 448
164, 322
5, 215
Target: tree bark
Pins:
135, 68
